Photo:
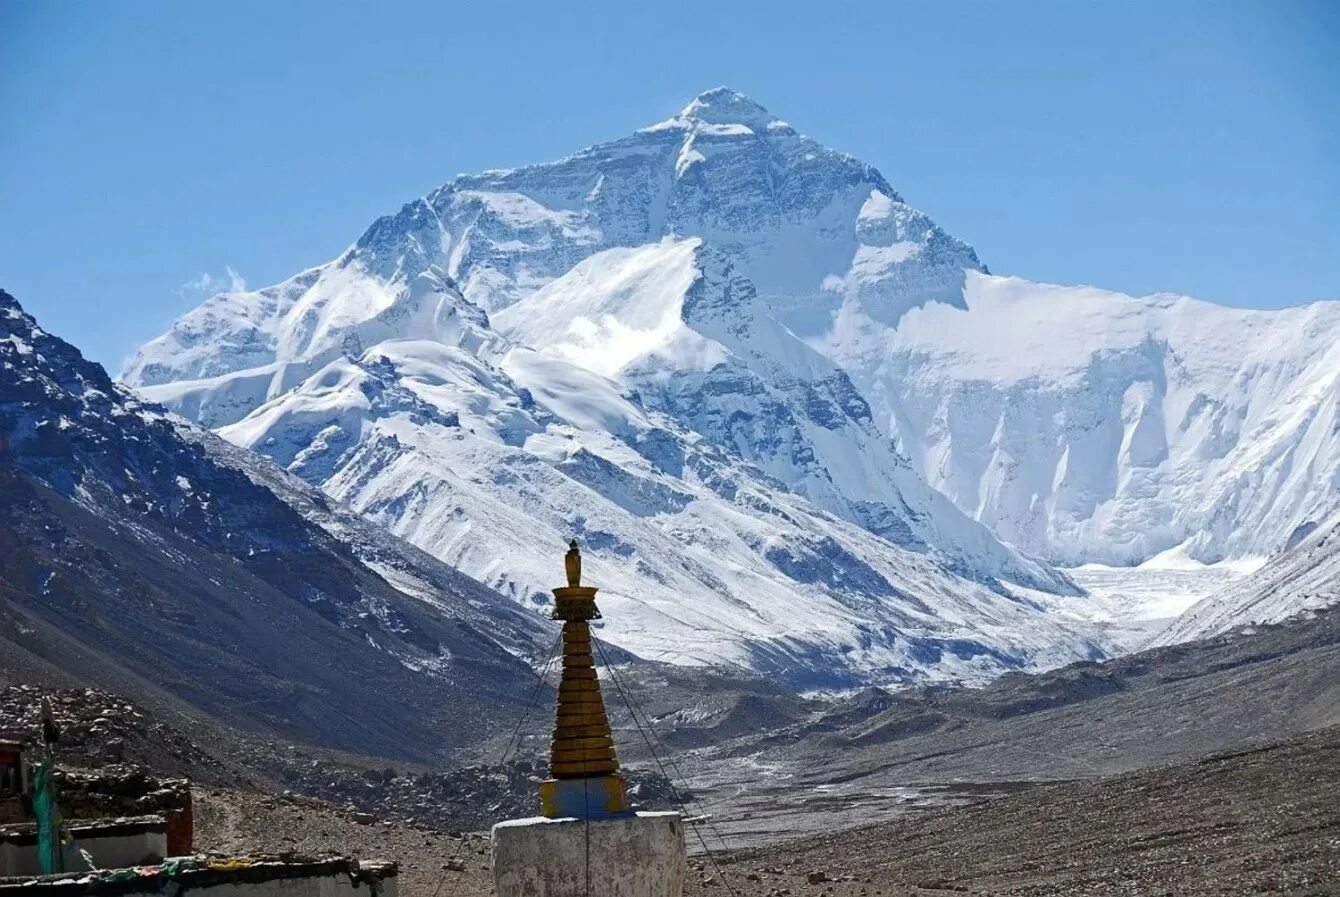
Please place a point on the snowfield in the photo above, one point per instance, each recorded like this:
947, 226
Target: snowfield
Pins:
1136, 603
797, 426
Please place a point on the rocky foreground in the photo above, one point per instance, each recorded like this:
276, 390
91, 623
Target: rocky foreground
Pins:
1264, 821
1256, 815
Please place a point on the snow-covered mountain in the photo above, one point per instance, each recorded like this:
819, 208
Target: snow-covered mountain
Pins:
773, 212
1304, 578
734, 359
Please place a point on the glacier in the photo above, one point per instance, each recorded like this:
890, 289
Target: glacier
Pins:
759, 384
1302, 580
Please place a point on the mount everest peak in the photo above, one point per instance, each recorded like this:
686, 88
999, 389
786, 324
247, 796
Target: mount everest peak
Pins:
720, 350
723, 106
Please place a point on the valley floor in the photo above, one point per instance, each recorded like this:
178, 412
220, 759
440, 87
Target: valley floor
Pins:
1260, 821
1199, 769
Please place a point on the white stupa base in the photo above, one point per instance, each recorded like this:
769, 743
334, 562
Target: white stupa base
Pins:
639, 855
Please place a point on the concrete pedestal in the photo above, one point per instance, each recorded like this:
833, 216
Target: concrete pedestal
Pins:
639, 855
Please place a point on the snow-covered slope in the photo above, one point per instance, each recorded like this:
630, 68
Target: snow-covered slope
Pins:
701, 558
1304, 578
237, 350
1085, 425
678, 324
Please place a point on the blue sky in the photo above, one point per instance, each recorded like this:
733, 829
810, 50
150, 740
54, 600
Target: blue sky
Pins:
149, 150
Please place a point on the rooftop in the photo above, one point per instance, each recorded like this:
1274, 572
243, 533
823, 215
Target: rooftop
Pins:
179, 873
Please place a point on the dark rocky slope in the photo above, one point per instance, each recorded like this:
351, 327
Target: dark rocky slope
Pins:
140, 552
1261, 821
880, 755
1152, 707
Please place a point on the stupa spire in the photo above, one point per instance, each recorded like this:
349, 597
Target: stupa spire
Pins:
584, 771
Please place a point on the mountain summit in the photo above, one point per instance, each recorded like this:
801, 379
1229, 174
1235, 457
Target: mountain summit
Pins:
723, 106
664, 411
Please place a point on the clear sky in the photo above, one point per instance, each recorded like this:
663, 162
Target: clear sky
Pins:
153, 152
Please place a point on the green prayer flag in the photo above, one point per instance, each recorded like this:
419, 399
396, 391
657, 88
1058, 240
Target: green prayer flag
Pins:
50, 850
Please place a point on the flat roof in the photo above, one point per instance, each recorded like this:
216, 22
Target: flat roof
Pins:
25, 833
200, 871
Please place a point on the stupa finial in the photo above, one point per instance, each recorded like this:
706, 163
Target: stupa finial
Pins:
573, 561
